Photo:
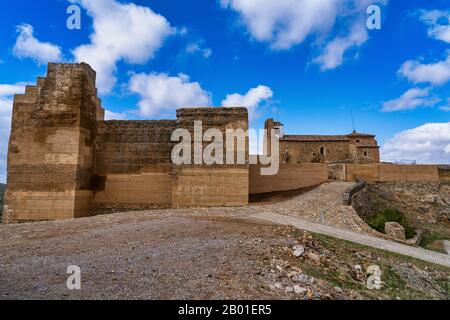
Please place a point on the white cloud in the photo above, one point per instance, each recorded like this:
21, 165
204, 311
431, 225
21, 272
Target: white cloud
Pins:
195, 47
333, 54
429, 143
195, 44
252, 100
161, 93
438, 23
411, 99
446, 107
27, 46
109, 115
6, 101
125, 32
435, 73
286, 23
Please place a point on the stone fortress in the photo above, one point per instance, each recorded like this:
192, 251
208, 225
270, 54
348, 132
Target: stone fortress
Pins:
65, 161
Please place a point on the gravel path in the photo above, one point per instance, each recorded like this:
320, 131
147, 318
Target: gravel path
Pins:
323, 204
374, 242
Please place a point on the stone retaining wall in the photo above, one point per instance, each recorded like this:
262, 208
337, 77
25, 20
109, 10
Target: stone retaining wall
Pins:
391, 173
291, 176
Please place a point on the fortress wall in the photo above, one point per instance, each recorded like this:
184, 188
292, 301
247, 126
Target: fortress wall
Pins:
64, 159
217, 185
444, 174
409, 173
368, 155
151, 186
392, 173
336, 171
366, 172
289, 177
133, 165
216, 118
124, 147
51, 145
309, 151
212, 186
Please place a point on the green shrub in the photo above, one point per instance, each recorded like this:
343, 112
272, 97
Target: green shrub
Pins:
428, 239
379, 220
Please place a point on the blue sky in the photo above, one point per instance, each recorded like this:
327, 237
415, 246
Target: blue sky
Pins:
309, 63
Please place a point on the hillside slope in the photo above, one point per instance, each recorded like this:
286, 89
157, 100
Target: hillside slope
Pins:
200, 254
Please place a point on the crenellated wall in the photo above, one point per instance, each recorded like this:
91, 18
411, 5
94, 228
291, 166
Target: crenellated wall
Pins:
218, 184
133, 167
65, 161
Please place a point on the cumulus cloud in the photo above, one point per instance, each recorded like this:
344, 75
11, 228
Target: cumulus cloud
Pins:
160, 93
429, 143
411, 99
286, 23
438, 23
6, 101
125, 32
252, 100
27, 46
435, 73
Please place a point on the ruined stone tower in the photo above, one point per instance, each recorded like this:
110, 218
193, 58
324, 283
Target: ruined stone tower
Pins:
51, 146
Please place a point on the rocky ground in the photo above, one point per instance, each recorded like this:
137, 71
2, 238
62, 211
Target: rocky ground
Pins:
426, 204
199, 254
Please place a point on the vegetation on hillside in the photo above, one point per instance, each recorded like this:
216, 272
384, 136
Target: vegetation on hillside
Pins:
402, 277
433, 241
379, 220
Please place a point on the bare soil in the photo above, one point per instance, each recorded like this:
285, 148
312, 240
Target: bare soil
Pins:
149, 257
197, 254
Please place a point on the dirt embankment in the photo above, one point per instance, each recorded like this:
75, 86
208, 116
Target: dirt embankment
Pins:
425, 204
199, 254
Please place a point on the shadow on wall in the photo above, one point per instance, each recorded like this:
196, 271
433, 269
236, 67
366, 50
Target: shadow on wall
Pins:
2, 195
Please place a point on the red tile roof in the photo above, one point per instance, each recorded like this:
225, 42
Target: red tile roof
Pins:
313, 138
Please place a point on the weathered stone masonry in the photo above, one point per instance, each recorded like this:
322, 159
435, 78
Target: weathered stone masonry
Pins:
351, 148
64, 160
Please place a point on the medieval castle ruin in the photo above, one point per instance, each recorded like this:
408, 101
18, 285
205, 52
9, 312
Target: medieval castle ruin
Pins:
65, 161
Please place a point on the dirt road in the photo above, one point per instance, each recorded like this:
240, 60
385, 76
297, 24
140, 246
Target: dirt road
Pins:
149, 257
215, 253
